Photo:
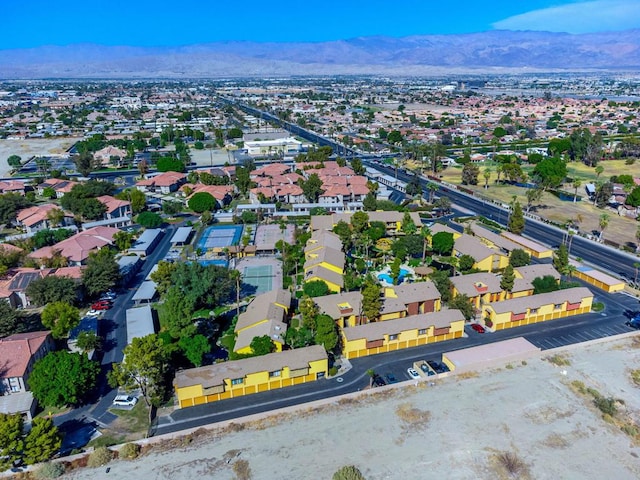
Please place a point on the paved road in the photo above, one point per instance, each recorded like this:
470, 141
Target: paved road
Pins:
619, 307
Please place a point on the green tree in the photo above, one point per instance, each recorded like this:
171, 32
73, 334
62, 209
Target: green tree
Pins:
42, 442
206, 218
149, 220
11, 440
508, 279
561, 259
262, 345
101, 273
162, 276
243, 179
9, 320
369, 204
309, 312
138, 200
516, 219
603, 223
85, 163
348, 472
171, 208
312, 187
466, 262
545, 284
359, 222
463, 303
371, 302
63, 378
52, 289
442, 243
316, 288
550, 172
408, 225
326, 333
60, 318
519, 258
470, 174
123, 240
343, 230
414, 186
144, 366
10, 204
440, 279
49, 192
14, 161
194, 348
88, 341
357, 166
202, 201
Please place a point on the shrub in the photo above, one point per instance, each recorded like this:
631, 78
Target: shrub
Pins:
597, 306
242, 470
129, 451
202, 201
333, 370
50, 470
149, 220
348, 472
512, 463
99, 457
607, 405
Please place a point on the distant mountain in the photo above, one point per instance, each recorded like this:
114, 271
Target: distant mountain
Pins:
497, 51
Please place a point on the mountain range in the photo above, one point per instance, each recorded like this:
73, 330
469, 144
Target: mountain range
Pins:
494, 51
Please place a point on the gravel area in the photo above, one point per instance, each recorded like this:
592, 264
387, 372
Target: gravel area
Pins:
30, 147
454, 429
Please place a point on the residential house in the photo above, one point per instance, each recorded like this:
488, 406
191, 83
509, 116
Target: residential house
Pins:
165, 183
265, 315
221, 381
19, 353
406, 332
78, 247
391, 219
106, 154
34, 219
60, 187
538, 308
12, 186
14, 284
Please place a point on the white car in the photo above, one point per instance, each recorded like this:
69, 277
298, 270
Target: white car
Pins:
94, 313
413, 373
125, 401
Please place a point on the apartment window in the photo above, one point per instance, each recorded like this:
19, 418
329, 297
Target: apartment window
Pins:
557, 306
533, 310
422, 331
275, 373
393, 337
237, 381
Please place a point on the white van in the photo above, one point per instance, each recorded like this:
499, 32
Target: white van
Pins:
125, 400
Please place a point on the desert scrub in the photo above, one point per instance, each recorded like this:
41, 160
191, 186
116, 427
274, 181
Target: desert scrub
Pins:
512, 464
99, 457
129, 451
50, 470
348, 472
558, 360
242, 470
635, 377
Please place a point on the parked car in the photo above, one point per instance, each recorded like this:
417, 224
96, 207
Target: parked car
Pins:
437, 366
108, 296
477, 327
378, 381
413, 373
425, 368
125, 400
100, 306
93, 313
634, 322
391, 378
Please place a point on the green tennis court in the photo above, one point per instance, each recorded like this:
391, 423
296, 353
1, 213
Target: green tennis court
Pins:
260, 277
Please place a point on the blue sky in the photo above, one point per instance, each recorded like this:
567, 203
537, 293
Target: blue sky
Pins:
31, 23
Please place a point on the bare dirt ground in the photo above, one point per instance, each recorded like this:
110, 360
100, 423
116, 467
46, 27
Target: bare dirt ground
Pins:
455, 429
30, 147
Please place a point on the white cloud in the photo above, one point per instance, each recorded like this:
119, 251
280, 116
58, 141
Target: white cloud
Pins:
580, 17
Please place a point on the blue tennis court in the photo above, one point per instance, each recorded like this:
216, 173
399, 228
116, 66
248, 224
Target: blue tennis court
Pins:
260, 277
220, 236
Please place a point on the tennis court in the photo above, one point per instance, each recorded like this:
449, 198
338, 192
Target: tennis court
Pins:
218, 237
260, 277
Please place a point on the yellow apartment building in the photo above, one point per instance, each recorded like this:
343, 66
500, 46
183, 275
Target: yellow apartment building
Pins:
535, 249
406, 332
538, 308
221, 381
486, 258
265, 315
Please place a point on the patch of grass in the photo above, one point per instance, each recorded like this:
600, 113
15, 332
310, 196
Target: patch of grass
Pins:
106, 440
597, 306
558, 360
136, 419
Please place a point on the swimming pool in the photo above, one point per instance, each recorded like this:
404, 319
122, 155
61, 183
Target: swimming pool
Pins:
387, 278
218, 262
220, 236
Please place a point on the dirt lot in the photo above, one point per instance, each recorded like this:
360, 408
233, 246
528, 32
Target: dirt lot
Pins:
455, 429
28, 148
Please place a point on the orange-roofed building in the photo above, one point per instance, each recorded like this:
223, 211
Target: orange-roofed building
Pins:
19, 353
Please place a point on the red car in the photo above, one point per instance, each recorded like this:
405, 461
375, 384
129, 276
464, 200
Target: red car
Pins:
477, 327
101, 306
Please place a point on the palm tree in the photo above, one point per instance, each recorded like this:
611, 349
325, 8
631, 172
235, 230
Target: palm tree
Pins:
433, 188
576, 185
426, 235
638, 237
498, 172
237, 276
604, 222
487, 175
599, 170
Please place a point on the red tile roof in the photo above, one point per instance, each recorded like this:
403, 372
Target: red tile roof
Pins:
17, 350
